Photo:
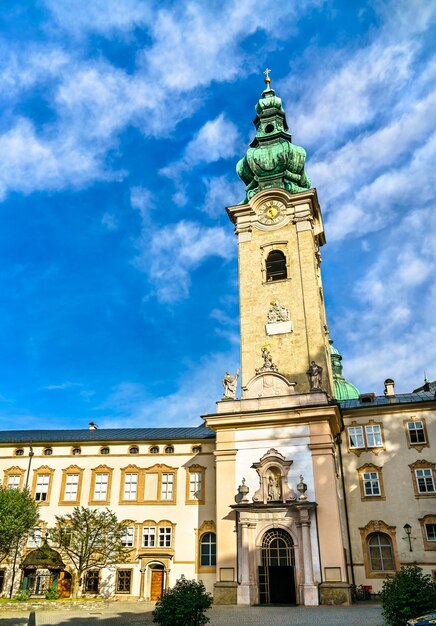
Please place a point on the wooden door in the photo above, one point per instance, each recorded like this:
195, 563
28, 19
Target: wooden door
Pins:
157, 578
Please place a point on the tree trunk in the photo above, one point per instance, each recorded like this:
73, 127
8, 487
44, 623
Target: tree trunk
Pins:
75, 587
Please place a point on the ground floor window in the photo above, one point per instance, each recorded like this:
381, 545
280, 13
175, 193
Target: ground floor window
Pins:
92, 581
381, 555
208, 550
124, 581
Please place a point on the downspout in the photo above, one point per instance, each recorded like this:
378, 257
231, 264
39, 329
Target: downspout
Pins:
347, 521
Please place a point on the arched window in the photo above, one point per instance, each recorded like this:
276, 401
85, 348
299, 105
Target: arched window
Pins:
276, 266
48, 451
381, 554
154, 450
208, 550
134, 450
277, 548
169, 450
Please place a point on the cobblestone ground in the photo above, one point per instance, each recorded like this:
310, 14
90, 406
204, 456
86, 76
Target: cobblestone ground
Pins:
139, 614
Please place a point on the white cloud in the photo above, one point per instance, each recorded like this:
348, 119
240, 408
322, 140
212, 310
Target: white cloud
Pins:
141, 199
109, 221
220, 192
101, 16
171, 253
196, 392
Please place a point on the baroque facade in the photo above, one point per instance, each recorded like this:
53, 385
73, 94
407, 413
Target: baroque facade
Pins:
288, 494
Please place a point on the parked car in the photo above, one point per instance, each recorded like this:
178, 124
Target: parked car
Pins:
424, 620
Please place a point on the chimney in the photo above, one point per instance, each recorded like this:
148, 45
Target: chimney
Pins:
92, 426
389, 387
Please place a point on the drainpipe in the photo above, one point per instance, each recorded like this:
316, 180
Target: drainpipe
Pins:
347, 521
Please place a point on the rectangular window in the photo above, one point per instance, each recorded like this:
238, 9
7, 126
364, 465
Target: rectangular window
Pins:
373, 436
355, 435
41, 491
148, 537
167, 491
124, 580
195, 484
430, 531
100, 489
13, 482
424, 479
371, 484
130, 486
416, 432
71, 487
165, 533
92, 581
34, 538
2, 580
127, 537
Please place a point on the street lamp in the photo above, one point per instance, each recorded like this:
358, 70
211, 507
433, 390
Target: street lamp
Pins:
408, 530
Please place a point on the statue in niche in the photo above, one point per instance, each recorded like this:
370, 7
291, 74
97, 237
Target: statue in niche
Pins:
229, 384
268, 365
274, 488
277, 313
314, 373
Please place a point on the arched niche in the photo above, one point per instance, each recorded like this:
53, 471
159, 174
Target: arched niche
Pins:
273, 470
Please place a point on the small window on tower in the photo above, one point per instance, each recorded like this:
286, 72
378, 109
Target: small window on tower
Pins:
276, 266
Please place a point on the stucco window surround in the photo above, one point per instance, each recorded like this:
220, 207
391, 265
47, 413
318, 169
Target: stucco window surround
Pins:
101, 483
163, 479
424, 479
416, 433
371, 482
366, 437
157, 536
280, 246
206, 528
71, 486
132, 485
14, 478
42, 484
195, 484
428, 529
379, 548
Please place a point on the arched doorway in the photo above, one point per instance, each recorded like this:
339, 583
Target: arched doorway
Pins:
277, 572
157, 576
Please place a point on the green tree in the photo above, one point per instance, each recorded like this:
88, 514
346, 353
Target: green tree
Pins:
18, 514
183, 605
410, 593
89, 539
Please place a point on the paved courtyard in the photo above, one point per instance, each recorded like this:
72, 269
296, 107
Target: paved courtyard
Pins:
139, 614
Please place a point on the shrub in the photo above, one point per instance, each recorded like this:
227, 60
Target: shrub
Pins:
183, 605
22, 595
408, 594
52, 594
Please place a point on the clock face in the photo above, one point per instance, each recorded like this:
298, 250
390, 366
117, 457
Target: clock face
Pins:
271, 212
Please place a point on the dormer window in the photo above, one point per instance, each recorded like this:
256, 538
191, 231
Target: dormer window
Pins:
276, 266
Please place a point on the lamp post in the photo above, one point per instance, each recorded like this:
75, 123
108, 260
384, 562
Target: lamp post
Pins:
408, 531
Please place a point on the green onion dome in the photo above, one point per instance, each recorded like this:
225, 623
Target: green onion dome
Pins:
343, 389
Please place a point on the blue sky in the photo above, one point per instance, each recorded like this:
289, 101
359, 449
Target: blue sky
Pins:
121, 124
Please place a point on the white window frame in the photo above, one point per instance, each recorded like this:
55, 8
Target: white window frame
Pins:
353, 432
34, 538
130, 486
167, 486
195, 485
412, 426
128, 537
13, 482
372, 480
71, 481
425, 473
101, 486
41, 489
373, 431
165, 536
149, 532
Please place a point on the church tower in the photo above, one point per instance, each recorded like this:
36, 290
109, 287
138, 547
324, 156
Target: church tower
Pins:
276, 478
280, 232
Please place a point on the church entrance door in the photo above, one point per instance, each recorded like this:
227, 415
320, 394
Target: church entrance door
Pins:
277, 572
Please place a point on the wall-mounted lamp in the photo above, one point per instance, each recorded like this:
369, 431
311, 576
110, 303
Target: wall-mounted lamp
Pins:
408, 531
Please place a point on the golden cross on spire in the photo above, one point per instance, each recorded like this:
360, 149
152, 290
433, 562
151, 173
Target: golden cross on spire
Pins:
267, 73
